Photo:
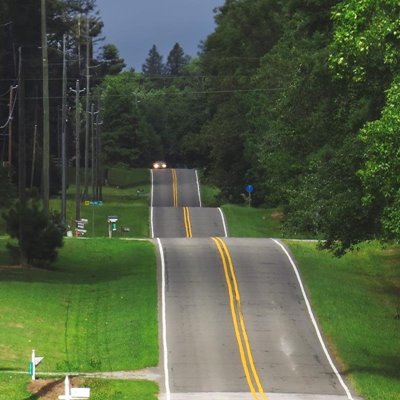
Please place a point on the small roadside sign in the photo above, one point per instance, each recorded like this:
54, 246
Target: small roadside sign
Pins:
249, 189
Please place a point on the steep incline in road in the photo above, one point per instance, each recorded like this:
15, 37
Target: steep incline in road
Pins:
236, 323
176, 207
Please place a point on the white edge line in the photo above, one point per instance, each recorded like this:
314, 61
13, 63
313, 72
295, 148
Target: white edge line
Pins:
151, 204
164, 322
311, 314
223, 221
198, 186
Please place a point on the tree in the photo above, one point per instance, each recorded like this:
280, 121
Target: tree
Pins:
110, 61
154, 63
366, 49
7, 189
176, 61
38, 234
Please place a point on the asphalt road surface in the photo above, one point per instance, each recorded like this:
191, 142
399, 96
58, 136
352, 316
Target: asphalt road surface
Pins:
235, 323
176, 207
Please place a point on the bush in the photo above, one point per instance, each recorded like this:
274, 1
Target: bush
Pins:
39, 236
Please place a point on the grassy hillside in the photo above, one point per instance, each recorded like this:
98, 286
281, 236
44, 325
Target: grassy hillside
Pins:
357, 301
95, 310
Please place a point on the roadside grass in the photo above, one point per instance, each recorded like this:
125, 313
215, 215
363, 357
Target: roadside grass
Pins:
357, 301
253, 222
94, 310
14, 386
126, 196
209, 195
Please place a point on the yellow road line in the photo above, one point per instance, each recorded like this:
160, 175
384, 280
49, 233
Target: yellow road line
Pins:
239, 327
174, 187
187, 222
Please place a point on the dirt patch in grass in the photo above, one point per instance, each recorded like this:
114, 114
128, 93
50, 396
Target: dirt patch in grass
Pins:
277, 215
50, 389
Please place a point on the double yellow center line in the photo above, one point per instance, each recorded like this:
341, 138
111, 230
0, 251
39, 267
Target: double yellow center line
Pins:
187, 222
174, 187
246, 355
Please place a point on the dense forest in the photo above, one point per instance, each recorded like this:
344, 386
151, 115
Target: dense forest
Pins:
298, 97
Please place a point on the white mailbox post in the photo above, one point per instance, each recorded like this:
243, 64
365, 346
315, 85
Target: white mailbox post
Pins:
32, 365
112, 224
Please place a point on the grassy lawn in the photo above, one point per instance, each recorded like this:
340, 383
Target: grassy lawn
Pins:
209, 195
357, 300
14, 386
253, 222
126, 196
95, 310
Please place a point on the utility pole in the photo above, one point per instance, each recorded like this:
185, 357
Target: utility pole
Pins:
77, 152
99, 174
34, 144
93, 150
63, 140
21, 132
46, 119
33, 155
85, 193
21, 157
10, 118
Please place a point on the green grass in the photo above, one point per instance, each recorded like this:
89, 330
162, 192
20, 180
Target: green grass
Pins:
253, 222
95, 310
357, 301
126, 196
121, 390
125, 177
209, 195
14, 386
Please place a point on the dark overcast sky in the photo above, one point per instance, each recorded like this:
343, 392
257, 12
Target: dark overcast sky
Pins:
135, 25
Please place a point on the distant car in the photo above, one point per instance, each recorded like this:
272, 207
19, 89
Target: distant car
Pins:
159, 164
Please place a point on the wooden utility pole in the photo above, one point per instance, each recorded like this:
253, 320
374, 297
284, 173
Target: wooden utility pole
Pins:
21, 133
77, 152
33, 155
46, 119
63, 139
93, 150
10, 107
21, 158
85, 192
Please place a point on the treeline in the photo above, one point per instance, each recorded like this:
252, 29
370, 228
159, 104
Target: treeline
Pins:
298, 98
21, 80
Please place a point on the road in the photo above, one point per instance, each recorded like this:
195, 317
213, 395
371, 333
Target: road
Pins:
235, 322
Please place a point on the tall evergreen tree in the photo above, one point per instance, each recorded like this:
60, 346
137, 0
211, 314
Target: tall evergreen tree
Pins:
110, 60
176, 60
154, 63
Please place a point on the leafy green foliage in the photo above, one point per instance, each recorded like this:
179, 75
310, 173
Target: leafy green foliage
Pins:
38, 235
7, 189
380, 173
366, 38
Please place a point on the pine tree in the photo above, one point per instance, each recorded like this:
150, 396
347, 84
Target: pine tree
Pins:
176, 60
154, 63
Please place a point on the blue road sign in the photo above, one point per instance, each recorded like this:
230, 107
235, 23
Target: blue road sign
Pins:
249, 189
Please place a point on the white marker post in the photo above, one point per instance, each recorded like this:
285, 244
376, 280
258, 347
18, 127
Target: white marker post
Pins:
67, 389
34, 361
71, 393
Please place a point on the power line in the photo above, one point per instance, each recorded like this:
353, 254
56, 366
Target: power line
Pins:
181, 93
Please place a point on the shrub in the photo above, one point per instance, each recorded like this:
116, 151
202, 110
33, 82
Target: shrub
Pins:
38, 235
